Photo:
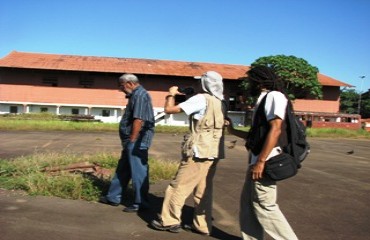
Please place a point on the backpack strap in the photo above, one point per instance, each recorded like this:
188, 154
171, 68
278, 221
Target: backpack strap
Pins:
261, 127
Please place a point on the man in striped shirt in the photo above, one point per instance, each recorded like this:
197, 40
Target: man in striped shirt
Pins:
136, 131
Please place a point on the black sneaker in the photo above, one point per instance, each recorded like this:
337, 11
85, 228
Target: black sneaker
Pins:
176, 228
106, 201
191, 228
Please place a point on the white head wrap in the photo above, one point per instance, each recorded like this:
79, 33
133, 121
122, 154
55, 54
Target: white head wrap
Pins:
212, 84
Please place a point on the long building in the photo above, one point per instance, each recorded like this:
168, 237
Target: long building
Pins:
87, 85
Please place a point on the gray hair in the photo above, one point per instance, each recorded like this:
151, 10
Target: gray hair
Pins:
128, 77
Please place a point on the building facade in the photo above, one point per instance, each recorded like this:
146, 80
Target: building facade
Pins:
84, 85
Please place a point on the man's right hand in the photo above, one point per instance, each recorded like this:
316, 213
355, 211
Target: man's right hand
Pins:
174, 90
257, 170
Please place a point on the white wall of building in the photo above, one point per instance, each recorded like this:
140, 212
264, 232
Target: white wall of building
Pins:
5, 108
238, 118
41, 108
68, 110
109, 114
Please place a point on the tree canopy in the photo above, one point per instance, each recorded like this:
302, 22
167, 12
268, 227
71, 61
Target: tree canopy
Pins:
299, 77
350, 100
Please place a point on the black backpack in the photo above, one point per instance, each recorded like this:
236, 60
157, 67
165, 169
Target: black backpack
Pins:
286, 164
297, 147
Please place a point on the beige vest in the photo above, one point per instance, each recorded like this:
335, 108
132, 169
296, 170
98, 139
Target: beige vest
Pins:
207, 138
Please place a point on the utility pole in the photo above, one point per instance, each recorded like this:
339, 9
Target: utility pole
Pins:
359, 99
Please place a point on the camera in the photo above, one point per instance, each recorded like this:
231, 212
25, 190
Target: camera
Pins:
185, 90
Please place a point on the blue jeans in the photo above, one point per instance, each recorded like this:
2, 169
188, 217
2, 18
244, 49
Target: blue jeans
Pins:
133, 165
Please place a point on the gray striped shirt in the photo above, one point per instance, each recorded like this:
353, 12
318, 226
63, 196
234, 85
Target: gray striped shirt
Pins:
139, 106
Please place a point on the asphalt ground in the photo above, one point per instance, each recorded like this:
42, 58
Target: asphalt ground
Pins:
328, 199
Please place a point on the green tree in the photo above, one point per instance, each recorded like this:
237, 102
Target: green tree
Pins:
349, 101
365, 112
299, 76
365, 105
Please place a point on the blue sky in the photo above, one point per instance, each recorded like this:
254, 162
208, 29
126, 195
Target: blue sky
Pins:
330, 34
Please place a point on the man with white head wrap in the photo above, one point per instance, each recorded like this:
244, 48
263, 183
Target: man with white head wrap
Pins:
201, 150
212, 83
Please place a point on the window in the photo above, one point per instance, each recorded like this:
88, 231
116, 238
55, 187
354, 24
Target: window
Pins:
106, 113
75, 111
50, 81
13, 109
86, 82
44, 109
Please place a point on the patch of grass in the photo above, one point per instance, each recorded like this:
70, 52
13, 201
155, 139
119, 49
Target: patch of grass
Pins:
337, 132
30, 116
162, 170
171, 129
55, 125
331, 132
26, 173
52, 122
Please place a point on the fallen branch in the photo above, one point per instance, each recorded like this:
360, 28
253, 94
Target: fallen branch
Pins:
83, 167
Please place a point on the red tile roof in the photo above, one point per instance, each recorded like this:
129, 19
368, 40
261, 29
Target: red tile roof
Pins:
328, 81
117, 65
133, 65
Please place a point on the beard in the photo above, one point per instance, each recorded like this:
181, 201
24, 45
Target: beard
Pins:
127, 91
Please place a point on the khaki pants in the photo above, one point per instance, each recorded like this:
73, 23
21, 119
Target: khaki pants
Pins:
193, 176
259, 211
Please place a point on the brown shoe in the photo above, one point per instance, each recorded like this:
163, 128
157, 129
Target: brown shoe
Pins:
191, 228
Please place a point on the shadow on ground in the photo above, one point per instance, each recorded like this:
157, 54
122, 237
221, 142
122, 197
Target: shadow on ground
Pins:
186, 218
